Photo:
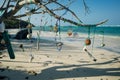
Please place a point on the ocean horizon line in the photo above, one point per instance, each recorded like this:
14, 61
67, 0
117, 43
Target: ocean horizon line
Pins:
78, 26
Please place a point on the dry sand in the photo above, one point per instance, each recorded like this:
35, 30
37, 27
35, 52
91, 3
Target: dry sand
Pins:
71, 63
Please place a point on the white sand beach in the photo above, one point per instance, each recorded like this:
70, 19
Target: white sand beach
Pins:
71, 63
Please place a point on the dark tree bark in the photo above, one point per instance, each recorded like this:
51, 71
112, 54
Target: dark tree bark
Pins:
11, 7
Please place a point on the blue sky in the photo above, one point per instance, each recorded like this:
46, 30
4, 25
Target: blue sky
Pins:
99, 10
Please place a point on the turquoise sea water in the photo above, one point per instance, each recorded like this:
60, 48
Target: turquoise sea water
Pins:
107, 30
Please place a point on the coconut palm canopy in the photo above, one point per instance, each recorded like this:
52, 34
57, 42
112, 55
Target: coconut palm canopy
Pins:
9, 9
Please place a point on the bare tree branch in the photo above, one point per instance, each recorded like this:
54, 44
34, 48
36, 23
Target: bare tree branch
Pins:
3, 4
69, 11
42, 7
7, 6
67, 20
86, 7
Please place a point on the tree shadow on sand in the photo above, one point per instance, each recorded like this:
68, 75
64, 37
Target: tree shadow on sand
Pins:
67, 71
75, 71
